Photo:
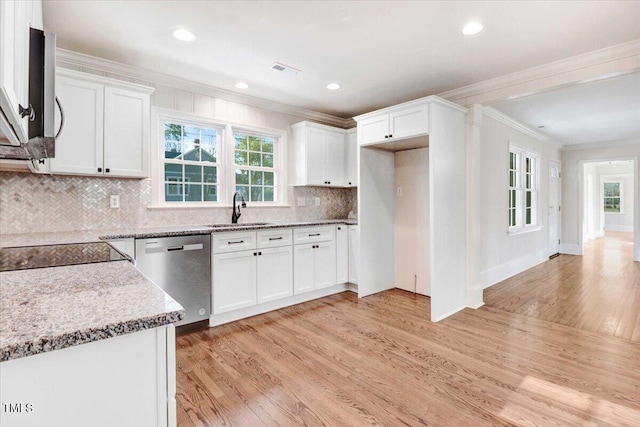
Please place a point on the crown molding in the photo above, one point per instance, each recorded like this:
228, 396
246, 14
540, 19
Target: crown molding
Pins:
427, 99
603, 144
74, 59
513, 123
628, 54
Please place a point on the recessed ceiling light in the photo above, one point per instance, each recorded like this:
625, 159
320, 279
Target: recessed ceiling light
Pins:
333, 86
472, 28
183, 34
541, 127
242, 85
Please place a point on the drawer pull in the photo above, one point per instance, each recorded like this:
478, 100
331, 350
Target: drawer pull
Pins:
235, 243
275, 238
312, 235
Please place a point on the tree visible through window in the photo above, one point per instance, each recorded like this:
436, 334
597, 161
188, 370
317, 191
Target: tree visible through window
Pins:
612, 198
255, 171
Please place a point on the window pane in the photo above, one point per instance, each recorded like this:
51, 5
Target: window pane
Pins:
528, 199
256, 194
241, 158
193, 173
191, 134
172, 172
528, 216
210, 174
267, 145
268, 178
240, 141
172, 150
616, 190
513, 198
256, 178
172, 132
512, 160
209, 136
254, 143
208, 153
512, 179
267, 160
268, 194
528, 165
254, 159
173, 191
210, 193
243, 190
608, 189
527, 181
242, 177
193, 192
513, 217
191, 151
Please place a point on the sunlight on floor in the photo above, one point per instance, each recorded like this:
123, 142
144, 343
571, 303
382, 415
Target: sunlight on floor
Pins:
585, 406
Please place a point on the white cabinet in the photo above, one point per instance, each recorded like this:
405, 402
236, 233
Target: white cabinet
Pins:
314, 263
354, 251
396, 123
251, 268
16, 18
342, 254
106, 129
317, 155
351, 158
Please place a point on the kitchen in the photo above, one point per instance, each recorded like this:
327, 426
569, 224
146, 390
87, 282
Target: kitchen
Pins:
257, 205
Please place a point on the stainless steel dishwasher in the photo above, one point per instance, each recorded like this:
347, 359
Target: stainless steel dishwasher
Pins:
182, 267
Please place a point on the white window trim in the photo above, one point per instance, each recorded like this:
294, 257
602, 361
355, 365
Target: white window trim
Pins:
524, 154
226, 174
615, 179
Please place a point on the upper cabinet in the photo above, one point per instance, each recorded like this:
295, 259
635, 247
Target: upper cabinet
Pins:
395, 123
317, 154
16, 18
106, 129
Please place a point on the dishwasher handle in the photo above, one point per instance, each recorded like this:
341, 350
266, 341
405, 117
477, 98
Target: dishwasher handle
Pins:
192, 247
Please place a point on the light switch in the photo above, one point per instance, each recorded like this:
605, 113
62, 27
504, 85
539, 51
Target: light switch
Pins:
114, 201
399, 191
301, 201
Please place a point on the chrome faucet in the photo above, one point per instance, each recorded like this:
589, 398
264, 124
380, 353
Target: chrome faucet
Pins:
235, 215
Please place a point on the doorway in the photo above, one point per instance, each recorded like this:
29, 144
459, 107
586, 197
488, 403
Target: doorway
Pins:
554, 207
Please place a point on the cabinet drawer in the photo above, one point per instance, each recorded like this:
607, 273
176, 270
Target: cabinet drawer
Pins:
275, 238
233, 242
313, 234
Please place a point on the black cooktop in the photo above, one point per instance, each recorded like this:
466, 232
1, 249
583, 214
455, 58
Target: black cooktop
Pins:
27, 257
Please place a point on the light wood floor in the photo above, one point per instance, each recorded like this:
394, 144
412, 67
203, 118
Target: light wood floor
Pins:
340, 361
599, 291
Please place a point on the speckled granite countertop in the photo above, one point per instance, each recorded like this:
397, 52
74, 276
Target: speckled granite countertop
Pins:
30, 239
48, 309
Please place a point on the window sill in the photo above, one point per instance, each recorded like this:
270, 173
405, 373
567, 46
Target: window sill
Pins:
185, 206
524, 230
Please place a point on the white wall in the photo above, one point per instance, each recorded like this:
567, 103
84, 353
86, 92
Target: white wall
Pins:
622, 172
573, 161
503, 255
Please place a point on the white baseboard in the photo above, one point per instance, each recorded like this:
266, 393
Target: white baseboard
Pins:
497, 274
570, 249
444, 316
220, 319
475, 297
627, 228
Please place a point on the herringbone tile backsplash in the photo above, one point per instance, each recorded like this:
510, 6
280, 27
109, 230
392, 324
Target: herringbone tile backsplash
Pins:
32, 203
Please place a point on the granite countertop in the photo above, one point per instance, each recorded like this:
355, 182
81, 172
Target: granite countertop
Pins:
52, 308
31, 239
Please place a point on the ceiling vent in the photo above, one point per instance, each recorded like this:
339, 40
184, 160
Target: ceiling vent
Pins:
277, 66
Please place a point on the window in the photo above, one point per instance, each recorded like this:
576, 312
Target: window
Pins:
523, 189
190, 163
255, 166
612, 196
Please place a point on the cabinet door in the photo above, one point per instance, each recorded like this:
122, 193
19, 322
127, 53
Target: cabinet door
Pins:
303, 268
354, 245
325, 264
373, 129
334, 158
351, 159
275, 273
315, 156
79, 147
14, 65
234, 281
126, 132
342, 254
409, 122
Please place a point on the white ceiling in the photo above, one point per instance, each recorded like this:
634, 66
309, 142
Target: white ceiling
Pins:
606, 110
382, 52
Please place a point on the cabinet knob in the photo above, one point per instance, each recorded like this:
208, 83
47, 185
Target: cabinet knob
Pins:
255, 254
390, 136
99, 169
386, 136
339, 228
260, 253
349, 183
107, 170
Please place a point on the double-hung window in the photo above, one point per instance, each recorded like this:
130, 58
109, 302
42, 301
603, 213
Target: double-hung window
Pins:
523, 189
257, 166
612, 200
191, 162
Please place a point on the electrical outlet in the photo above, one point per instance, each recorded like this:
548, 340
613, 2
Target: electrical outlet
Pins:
114, 201
301, 201
399, 191
317, 201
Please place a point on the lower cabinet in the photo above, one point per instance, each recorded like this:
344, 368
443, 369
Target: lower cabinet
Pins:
275, 273
234, 280
314, 266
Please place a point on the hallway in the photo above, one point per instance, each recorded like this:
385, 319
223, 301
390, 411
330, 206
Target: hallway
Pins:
598, 292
